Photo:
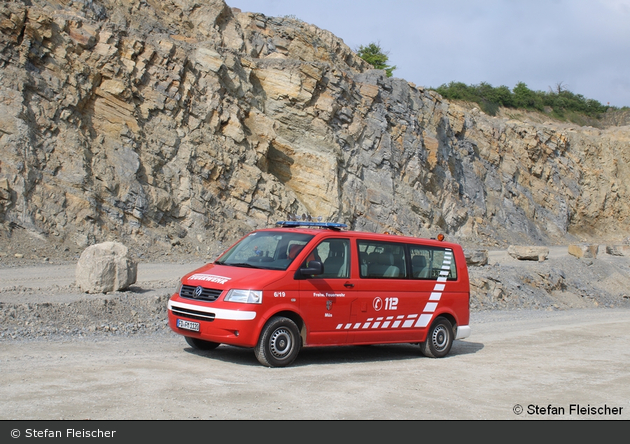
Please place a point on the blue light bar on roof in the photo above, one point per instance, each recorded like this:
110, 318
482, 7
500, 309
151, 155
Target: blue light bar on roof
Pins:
294, 224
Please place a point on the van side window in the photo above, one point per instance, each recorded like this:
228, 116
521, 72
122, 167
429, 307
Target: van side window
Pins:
382, 259
432, 263
335, 255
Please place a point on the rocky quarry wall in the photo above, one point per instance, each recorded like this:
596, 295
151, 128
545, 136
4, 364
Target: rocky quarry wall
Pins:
182, 123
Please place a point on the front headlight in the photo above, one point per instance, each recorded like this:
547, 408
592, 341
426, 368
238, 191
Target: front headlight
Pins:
244, 296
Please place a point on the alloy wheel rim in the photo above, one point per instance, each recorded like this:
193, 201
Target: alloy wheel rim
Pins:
440, 338
281, 343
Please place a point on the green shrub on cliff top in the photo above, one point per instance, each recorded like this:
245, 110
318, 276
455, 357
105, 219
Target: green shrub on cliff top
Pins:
557, 102
375, 56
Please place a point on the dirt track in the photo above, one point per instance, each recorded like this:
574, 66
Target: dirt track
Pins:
530, 358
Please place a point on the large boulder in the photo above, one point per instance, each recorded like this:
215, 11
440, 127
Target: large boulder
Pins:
618, 250
105, 267
526, 253
583, 251
476, 257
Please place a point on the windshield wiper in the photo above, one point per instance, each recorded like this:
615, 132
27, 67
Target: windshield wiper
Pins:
240, 264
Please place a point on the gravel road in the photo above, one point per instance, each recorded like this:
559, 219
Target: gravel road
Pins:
533, 359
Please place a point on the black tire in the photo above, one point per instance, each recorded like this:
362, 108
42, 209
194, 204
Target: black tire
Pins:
439, 339
200, 344
279, 343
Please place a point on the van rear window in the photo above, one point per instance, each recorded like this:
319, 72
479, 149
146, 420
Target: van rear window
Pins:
401, 261
432, 263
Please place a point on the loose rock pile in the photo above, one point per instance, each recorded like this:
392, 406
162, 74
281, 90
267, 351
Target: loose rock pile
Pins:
132, 312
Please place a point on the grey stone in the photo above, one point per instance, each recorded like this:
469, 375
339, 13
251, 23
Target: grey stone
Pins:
105, 267
584, 251
528, 253
476, 257
618, 250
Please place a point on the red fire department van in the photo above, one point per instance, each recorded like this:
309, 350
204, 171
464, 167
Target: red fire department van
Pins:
308, 284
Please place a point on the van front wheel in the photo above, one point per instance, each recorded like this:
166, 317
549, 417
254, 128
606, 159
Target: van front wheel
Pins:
279, 343
439, 339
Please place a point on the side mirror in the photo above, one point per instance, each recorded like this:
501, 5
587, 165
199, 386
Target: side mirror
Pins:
314, 268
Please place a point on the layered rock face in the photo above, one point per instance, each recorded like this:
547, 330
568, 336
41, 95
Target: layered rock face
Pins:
184, 122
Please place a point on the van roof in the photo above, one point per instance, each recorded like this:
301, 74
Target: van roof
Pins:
316, 228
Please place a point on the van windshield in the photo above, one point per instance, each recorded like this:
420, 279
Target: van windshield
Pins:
269, 250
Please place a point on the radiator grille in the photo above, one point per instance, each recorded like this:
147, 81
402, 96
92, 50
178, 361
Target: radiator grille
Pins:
193, 314
200, 293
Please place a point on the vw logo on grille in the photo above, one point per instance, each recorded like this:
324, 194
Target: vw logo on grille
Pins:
198, 291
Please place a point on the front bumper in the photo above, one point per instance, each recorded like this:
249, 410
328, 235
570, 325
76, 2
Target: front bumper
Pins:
224, 326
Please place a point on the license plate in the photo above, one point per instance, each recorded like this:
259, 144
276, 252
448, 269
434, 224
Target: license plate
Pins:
188, 325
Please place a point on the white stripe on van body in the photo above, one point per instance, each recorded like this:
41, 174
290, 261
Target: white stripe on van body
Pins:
431, 307
219, 313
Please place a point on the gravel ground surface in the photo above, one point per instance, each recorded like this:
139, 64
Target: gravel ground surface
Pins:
516, 365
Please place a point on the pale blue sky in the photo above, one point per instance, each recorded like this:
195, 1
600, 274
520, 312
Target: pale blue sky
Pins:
583, 44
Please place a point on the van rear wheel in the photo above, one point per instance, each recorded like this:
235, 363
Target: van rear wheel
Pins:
439, 339
279, 343
200, 344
